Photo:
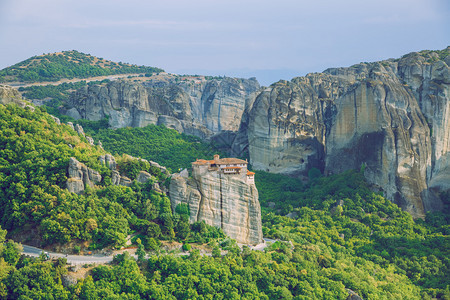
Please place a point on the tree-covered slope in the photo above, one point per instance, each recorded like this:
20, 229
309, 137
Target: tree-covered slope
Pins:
67, 64
158, 143
34, 157
350, 225
366, 243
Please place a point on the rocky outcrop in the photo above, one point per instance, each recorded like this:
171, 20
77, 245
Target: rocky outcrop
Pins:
118, 179
109, 161
79, 129
70, 124
392, 116
200, 107
81, 176
143, 177
10, 95
57, 120
225, 201
352, 295
428, 77
90, 140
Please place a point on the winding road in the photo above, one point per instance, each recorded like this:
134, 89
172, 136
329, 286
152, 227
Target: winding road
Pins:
73, 259
102, 259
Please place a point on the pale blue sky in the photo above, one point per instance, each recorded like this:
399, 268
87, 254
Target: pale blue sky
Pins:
271, 40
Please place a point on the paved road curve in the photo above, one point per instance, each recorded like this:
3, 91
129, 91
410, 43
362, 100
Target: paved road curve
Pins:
101, 259
73, 259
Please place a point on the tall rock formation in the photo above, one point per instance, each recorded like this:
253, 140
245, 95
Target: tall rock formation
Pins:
200, 107
393, 116
225, 198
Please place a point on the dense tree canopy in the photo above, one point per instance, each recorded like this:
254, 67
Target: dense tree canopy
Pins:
158, 143
34, 157
340, 234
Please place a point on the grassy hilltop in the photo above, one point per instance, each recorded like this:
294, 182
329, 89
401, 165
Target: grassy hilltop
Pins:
67, 64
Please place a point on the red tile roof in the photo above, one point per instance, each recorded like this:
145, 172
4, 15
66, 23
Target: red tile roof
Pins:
230, 161
221, 161
200, 162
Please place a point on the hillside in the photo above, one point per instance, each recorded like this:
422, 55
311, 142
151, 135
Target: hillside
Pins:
333, 248
67, 64
338, 215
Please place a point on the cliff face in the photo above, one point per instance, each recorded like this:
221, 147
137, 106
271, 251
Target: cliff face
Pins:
377, 114
225, 201
200, 107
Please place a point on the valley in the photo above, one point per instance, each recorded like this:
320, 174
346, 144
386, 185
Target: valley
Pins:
349, 182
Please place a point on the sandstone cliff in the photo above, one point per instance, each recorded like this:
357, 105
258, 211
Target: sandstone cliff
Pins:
393, 116
200, 107
225, 201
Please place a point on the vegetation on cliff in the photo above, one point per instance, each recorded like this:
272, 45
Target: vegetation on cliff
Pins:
34, 157
67, 64
157, 143
345, 219
338, 215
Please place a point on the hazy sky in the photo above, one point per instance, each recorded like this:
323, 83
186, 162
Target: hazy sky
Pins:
271, 40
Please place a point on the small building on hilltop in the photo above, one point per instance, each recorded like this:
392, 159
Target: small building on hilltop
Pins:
225, 166
222, 193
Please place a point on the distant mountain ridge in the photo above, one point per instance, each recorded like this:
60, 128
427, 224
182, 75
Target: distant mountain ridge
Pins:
67, 64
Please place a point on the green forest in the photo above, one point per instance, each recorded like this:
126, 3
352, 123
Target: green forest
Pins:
341, 235
67, 64
157, 143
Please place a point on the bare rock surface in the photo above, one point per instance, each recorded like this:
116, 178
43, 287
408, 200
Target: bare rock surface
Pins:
143, 177
200, 107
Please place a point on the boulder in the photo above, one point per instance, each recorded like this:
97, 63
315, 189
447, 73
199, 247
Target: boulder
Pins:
143, 177
73, 113
80, 176
125, 181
